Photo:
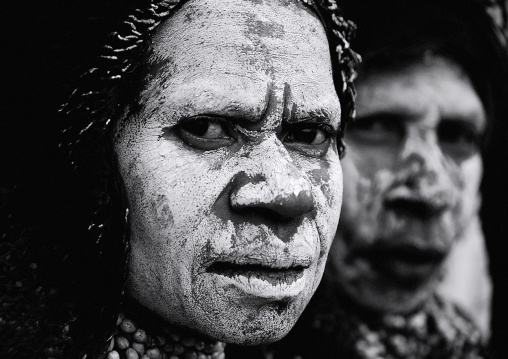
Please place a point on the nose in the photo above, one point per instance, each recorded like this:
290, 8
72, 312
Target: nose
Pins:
425, 183
272, 184
421, 159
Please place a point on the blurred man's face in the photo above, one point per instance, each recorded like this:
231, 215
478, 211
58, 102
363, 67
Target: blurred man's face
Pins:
411, 178
231, 169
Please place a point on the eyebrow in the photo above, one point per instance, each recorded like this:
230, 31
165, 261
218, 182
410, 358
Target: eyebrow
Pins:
246, 112
388, 115
477, 119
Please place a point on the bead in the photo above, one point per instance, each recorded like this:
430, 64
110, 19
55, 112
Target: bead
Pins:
188, 342
131, 354
127, 326
138, 347
201, 356
199, 345
173, 357
160, 340
111, 344
140, 336
174, 337
150, 342
146, 357
218, 347
208, 349
191, 355
178, 349
168, 348
120, 319
218, 355
153, 353
113, 355
121, 342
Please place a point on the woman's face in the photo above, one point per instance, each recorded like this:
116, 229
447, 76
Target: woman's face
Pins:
411, 182
229, 160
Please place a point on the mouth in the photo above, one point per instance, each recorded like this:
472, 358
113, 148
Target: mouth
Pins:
274, 276
406, 265
404, 202
276, 283
414, 207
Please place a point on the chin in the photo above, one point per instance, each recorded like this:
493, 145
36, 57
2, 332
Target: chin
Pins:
389, 296
393, 288
266, 324
394, 302
249, 305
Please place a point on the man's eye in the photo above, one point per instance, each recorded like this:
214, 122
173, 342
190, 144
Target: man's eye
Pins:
458, 138
206, 133
381, 129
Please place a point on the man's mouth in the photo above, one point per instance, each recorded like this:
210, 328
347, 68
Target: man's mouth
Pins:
405, 264
419, 205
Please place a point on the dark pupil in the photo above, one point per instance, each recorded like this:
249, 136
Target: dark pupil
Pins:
196, 127
306, 135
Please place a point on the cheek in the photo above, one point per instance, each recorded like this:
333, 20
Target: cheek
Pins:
328, 186
370, 159
327, 183
160, 212
363, 189
472, 171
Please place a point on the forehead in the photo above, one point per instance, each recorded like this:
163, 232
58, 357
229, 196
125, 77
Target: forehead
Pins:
227, 52
440, 85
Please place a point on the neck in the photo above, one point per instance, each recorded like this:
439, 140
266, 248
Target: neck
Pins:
142, 336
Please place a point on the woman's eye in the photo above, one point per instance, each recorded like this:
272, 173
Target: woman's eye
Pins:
205, 128
308, 138
206, 133
311, 136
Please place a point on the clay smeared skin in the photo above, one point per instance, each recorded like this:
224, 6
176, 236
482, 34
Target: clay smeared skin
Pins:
257, 200
419, 168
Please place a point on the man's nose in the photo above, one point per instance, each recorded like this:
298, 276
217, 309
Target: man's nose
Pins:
421, 160
272, 184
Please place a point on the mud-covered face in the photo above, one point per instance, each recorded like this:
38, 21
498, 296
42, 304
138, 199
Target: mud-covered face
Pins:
411, 179
231, 170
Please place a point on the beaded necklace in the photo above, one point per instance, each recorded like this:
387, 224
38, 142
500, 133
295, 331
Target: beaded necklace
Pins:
132, 342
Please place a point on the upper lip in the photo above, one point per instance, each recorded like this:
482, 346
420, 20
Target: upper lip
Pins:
418, 204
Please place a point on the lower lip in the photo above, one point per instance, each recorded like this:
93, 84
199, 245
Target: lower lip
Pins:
272, 285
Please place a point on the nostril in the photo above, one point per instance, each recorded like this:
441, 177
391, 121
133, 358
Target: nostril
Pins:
282, 202
411, 182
